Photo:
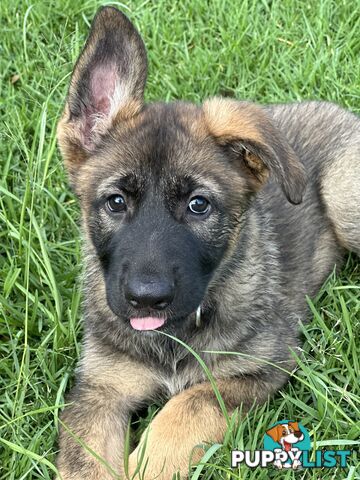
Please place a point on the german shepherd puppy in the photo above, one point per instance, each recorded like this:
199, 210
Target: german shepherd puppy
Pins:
207, 222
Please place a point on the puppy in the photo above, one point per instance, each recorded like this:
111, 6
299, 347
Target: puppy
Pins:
209, 223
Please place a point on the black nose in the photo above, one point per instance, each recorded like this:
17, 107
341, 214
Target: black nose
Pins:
152, 293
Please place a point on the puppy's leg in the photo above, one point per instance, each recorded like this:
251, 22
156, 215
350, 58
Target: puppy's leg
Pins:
107, 392
191, 418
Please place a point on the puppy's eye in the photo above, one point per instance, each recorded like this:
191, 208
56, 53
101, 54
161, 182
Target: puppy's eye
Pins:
116, 204
199, 205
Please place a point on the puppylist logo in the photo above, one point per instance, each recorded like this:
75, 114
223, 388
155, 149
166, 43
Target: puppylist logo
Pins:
287, 445
288, 440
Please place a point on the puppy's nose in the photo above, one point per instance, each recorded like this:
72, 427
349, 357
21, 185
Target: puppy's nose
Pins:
156, 294
298, 434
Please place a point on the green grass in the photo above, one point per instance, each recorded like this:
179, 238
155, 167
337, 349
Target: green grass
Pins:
266, 51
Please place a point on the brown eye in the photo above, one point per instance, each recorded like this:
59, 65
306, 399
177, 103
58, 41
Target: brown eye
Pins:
199, 205
116, 204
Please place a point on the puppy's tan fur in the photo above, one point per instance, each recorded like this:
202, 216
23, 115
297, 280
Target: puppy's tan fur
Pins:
254, 162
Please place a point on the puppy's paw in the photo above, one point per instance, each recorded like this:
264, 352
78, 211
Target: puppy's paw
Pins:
158, 457
175, 440
84, 473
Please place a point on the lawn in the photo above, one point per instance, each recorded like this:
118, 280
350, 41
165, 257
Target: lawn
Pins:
266, 51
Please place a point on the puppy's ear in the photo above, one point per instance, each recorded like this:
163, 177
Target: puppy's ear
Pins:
256, 145
275, 433
107, 86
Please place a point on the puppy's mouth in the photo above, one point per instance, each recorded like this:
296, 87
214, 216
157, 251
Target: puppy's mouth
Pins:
144, 321
147, 323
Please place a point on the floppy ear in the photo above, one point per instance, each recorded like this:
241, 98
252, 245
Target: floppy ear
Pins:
275, 433
107, 85
256, 145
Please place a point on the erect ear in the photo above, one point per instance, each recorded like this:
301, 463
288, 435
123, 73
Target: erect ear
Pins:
107, 86
258, 147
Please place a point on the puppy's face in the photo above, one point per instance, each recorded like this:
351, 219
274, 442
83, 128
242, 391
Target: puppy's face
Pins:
163, 187
160, 210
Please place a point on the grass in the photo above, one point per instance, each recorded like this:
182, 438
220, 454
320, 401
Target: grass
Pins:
267, 51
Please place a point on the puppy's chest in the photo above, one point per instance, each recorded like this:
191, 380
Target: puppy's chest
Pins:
180, 377
183, 375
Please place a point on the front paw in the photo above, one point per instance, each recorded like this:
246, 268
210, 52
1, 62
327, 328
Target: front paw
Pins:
79, 464
160, 458
175, 440
86, 472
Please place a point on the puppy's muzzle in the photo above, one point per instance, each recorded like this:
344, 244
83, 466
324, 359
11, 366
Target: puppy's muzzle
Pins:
154, 293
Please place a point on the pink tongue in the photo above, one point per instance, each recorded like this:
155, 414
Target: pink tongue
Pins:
146, 323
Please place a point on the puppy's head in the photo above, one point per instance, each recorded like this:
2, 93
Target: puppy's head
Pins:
163, 187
